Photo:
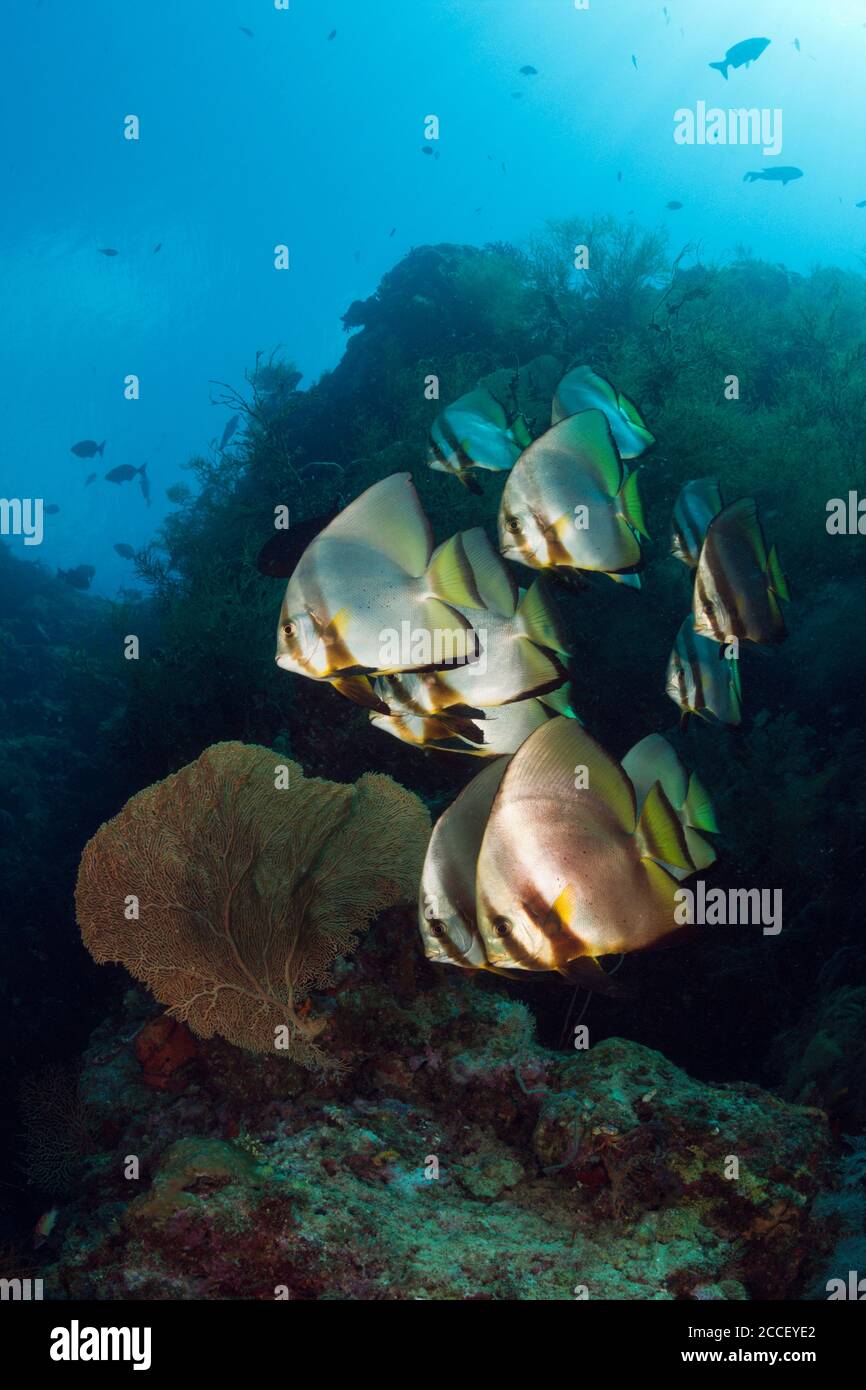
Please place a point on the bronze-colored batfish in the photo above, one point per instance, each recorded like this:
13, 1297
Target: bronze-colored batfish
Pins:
738, 584
474, 432
583, 389
703, 679
698, 503
446, 908
567, 870
569, 502
369, 578
653, 760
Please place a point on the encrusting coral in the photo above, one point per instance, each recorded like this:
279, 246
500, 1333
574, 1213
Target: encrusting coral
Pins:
230, 888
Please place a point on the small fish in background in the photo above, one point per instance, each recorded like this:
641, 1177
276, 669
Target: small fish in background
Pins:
124, 473
619, 176
666, 15
861, 205
51, 510
392, 231
125, 551
741, 55
107, 251
249, 33
371, 570
88, 448
673, 205
784, 174
357, 257
701, 680
231, 426
78, 578
528, 70
738, 584
569, 871
157, 247
634, 61
332, 35
569, 503
699, 501
583, 389
144, 484
797, 45
517, 95
426, 149
91, 478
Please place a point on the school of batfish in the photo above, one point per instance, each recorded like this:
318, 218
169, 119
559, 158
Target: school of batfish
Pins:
555, 855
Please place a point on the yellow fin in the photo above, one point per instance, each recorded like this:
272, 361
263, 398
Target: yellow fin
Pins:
588, 436
778, 582
562, 911
698, 807
493, 579
450, 577
631, 506
360, 690
540, 620
659, 833
700, 850
663, 885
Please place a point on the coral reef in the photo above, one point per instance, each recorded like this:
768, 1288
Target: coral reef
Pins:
230, 888
453, 1158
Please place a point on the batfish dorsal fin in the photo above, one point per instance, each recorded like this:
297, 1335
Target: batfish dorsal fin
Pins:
547, 764
388, 517
588, 436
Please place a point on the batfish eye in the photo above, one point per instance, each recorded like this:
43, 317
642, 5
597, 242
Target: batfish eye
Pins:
501, 926
512, 523
289, 629
437, 928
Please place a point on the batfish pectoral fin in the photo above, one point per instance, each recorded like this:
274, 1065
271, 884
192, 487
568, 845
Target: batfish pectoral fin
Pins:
587, 972
360, 690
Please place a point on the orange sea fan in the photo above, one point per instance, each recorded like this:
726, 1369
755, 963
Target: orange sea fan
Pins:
230, 887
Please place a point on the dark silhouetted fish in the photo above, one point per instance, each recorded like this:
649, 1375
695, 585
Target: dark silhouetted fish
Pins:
861, 205
332, 35
529, 71
79, 578
633, 61
673, 205
91, 478
229, 430
741, 55
52, 510
426, 149
392, 231
86, 448
125, 551
124, 473
107, 251
783, 175
279, 556
249, 33
144, 483
157, 247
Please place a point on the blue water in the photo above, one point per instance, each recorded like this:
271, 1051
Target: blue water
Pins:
291, 137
